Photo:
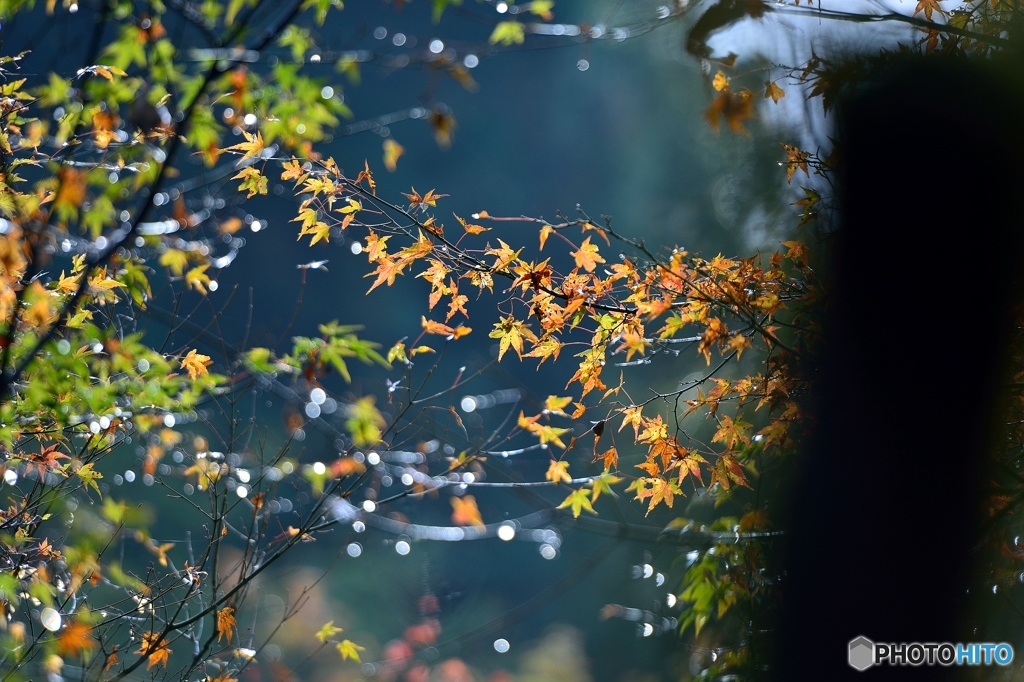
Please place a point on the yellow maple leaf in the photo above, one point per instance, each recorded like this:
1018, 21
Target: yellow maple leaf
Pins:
349, 649
252, 147
510, 333
558, 472
555, 405
587, 257
196, 278
392, 150
293, 171
195, 364
773, 92
720, 82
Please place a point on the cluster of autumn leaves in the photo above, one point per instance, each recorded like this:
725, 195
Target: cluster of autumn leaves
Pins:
634, 306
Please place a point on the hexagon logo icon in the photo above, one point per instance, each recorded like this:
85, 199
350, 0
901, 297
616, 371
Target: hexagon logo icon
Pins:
862, 653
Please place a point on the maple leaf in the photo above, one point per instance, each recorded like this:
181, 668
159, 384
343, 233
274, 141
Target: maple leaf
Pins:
795, 159
738, 343
734, 107
555, 405
542, 8
421, 202
928, 7
160, 550
46, 460
102, 283
458, 302
175, 260
548, 348
349, 649
226, 623
376, 246
727, 470
465, 511
89, 477
632, 343
508, 33
663, 491
252, 147
732, 431
74, 640
196, 278
587, 257
545, 232
530, 276
610, 458
509, 332
720, 81
392, 150
155, 649
470, 228
603, 484
505, 255
397, 353
577, 501
558, 472
253, 181
67, 285
351, 207
388, 268
293, 171
195, 364
365, 174
431, 327
773, 91
327, 631
655, 434
633, 416
689, 465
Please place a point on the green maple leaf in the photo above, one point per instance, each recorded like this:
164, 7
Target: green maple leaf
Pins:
89, 477
349, 649
603, 484
327, 631
508, 33
578, 501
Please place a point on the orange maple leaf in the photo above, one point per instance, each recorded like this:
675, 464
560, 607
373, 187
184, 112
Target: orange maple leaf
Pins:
734, 107
469, 227
465, 512
75, 639
226, 623
196, 364
928, 6
610, 458
432, 327
388, 269
587, 257
421, 202
155, 648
